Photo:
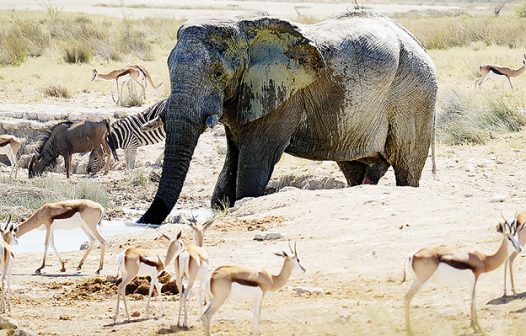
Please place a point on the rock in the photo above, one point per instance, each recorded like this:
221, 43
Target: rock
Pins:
135, 314
498, 198
7, 323
308, 290
154, 177
267, 236
24, 332
288, 188
84, 245
468, 195
170, 287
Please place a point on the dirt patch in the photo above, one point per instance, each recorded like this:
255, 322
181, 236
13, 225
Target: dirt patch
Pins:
99, 288
253, 224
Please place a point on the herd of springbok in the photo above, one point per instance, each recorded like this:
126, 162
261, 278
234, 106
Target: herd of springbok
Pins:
191, 262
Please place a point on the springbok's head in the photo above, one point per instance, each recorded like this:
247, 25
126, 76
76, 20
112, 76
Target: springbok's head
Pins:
292, 258
510, 231
9, 232
175, 247
199, 229
94, 74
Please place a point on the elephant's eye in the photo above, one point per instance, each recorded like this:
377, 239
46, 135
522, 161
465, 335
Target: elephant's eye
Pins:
218, 74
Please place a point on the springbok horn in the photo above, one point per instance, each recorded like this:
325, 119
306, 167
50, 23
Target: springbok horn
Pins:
290, 247
295, 252
7, 224
502, 215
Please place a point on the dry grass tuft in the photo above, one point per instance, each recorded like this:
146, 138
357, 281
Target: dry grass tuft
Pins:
77, 53
56, 91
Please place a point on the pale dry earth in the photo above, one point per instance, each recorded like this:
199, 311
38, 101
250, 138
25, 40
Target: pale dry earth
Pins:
352, 242
180, 9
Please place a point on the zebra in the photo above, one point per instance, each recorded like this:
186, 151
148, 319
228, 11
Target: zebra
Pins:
127, 134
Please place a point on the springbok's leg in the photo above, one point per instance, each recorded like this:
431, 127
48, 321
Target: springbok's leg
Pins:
510, 260
474, 319
8, 292
3, 310
417, 284
46, 245
215, 304
118, 92
187, 297
150, 292
159, 297
52, 241
258, 300
127, 277
88, 250
505, 271
509, 80
12, 159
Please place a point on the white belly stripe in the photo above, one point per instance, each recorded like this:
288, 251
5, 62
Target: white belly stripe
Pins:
448, 275
243, 293
71, 223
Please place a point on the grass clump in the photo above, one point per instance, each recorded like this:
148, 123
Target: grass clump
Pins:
77, 53
474, 119
23, 198
56, 91
138, 178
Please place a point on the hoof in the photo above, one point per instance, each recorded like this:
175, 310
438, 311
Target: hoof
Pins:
97, 272
63, 270
38, 271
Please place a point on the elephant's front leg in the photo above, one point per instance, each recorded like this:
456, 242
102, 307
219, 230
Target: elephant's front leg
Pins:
225, 190
255, 166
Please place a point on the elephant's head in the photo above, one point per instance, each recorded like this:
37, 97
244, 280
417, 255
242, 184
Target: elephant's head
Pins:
219, 70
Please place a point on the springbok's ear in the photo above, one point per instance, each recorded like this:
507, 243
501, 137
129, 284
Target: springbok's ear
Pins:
279, 254
209, 222
500, 229
520, 227
179, 235
281, 61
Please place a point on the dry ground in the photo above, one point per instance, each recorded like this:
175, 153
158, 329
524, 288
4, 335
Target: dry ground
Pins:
352, 242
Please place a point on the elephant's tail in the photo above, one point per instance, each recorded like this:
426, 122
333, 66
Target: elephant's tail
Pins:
433, 141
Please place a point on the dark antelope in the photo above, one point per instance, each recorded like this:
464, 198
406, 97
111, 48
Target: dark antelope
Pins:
68, 138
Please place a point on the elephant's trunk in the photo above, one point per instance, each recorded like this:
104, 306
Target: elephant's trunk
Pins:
182, 134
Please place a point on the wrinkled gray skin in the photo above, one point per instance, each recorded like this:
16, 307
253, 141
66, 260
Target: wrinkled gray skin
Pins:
357, 89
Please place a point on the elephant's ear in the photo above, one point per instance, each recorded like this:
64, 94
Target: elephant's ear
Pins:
281, 61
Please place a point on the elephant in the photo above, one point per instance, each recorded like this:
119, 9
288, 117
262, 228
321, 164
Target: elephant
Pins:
358, 89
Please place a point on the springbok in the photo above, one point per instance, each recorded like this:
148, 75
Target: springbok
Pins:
67, 215
132, 72
9, 145
518, 220
192, 265
500, 70
7, 258
452, 265
135, 262
242, 282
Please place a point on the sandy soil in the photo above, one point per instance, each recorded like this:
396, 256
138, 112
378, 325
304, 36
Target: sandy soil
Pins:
188, 9
352, 242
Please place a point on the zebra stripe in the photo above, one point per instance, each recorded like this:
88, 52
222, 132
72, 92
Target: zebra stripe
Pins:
127, 134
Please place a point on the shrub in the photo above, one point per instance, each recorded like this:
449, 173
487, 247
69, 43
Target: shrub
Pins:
77, 53
56, 91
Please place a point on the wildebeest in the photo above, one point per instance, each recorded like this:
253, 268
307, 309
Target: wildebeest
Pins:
67, 138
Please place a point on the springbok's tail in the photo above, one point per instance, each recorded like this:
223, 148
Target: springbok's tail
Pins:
407, 263
120, 260
148, 77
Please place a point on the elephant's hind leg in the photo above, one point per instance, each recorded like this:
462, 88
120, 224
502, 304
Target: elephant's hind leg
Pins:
354, 171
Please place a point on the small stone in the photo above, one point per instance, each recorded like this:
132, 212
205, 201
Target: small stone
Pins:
84, 245
308, 290
267, 236
468, 195
498, 198
136, 314
24, 332
499, 162
7, 323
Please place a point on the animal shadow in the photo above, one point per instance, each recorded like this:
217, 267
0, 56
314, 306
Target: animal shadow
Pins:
507, 298
126, 322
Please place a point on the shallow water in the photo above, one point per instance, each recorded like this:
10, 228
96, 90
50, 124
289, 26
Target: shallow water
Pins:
70, 240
